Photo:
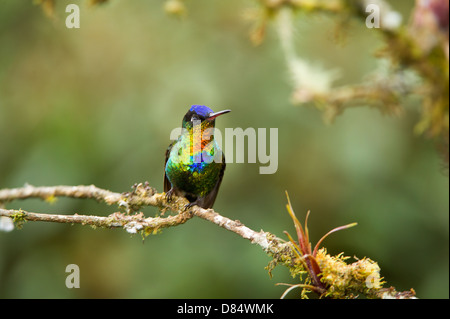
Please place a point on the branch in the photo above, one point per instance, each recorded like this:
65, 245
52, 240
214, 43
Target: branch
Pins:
417, 53
47, 193
338, 279
131, 223
142, 195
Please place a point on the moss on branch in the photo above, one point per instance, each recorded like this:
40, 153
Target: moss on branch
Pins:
328, 276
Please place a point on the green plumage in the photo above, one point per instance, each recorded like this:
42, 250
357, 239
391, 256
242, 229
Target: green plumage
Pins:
195, 164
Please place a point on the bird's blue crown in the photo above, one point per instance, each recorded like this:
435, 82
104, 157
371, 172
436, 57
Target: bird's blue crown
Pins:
201, 110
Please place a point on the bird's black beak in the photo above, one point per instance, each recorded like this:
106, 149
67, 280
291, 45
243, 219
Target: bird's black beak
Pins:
212, 116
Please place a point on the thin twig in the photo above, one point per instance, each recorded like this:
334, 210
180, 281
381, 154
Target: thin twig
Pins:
131, 223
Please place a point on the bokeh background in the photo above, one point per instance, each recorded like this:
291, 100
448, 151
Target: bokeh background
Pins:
96, 105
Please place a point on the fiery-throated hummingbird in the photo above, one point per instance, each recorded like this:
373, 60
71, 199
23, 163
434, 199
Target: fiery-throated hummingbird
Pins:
195, 164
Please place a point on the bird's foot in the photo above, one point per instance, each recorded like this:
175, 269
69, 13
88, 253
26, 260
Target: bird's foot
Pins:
186, 207
169, 195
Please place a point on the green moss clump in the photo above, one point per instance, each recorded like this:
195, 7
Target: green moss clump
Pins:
18, 218
348, 280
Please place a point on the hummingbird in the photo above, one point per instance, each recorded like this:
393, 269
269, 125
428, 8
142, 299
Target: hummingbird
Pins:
195, 164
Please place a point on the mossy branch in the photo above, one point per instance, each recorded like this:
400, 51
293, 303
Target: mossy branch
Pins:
331, 277
416, 50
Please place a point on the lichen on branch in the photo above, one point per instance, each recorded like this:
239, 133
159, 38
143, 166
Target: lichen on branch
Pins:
328, 276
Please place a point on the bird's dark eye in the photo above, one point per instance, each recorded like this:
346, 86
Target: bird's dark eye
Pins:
195, 118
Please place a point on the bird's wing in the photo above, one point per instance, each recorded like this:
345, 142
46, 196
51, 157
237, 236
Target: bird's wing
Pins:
208, 200
167, 185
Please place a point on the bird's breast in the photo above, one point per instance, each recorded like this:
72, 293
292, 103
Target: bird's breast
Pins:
194, 172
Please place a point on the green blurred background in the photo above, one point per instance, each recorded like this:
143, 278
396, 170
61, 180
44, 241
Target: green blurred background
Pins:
96, 105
